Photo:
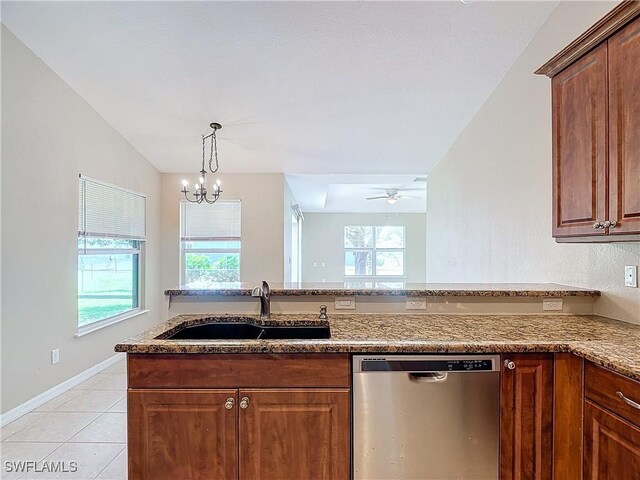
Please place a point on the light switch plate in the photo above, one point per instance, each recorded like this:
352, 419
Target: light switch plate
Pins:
55, 356
552, 304
631, 276
345, 303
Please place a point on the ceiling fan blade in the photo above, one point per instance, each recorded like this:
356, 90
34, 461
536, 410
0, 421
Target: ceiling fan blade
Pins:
376, 198
408, 196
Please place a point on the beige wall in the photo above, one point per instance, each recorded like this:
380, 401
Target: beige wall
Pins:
262, 197
287, 212
489, 199
323, 242
49, 136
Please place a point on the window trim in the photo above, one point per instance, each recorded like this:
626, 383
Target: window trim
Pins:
105, 322
373, 249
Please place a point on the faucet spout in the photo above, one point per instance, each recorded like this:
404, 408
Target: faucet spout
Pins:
263, 292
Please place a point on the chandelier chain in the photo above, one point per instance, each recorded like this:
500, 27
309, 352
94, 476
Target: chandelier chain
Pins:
214, 149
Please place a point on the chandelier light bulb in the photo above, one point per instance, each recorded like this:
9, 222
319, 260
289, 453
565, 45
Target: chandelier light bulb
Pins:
201, 180
185, 183
218, 182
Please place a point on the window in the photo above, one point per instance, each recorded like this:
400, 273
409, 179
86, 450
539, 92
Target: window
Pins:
374, 251
210, 243
111, 235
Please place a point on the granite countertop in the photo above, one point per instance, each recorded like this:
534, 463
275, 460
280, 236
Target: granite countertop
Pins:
393, 289
606, 342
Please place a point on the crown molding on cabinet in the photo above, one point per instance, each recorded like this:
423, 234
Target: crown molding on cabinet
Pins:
613, 21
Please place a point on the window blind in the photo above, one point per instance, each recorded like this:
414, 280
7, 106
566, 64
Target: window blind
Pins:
109, 211
219, 221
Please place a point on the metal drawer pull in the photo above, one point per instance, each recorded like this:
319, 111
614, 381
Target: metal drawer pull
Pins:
244, 402
229, 403
510, 364
628, 401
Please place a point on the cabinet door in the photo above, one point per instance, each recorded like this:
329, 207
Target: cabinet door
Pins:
295, 434
611, 446
624, 137
182, 434
579, 121
526, 413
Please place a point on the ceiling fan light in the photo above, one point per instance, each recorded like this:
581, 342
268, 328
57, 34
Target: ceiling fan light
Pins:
391, 200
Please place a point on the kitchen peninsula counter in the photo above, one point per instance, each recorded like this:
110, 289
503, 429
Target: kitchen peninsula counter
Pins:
609, 343
392, 289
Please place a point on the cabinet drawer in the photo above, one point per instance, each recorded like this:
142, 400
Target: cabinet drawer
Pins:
239, 370
605, 387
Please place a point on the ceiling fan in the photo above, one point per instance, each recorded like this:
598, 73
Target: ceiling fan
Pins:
392, 195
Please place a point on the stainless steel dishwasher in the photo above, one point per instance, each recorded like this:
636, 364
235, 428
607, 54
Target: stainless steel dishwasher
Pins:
425, 417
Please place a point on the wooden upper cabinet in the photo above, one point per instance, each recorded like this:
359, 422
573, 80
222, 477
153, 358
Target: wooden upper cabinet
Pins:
624, 130
293, 434
176, 434
526, 412
580, 146
596, 130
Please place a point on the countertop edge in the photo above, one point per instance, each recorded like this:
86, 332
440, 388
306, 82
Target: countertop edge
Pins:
285, 292
577, 348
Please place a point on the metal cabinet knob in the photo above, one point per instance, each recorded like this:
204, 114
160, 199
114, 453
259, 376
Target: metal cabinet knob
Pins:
598, 225
509, 364
244, 402
229, 403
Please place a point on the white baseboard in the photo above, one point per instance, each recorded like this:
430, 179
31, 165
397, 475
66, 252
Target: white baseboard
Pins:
39, 400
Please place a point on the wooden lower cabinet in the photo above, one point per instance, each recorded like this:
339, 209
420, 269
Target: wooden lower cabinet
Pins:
189, 434
526, 417
295, 434
612, 446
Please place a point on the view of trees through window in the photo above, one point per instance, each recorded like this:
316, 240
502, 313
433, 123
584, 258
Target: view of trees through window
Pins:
211, 261
107, 278
375, 251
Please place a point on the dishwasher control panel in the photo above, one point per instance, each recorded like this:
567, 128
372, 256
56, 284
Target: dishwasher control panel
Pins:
417, 364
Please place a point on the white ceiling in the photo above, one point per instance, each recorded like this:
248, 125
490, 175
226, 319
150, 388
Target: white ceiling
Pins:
348, 193
300, 87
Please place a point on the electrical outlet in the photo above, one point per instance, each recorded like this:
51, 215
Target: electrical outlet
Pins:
416, 303
631, 276
345, 303
552, 304
55, 356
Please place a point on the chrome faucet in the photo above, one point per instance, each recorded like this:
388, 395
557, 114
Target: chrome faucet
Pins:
264, 294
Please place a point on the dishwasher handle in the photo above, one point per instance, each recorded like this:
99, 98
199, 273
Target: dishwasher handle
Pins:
427, 377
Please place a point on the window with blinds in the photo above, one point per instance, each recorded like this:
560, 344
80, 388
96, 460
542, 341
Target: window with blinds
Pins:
210, 243
111, 235
108, 211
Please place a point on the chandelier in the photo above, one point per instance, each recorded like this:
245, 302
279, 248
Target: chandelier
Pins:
200, 192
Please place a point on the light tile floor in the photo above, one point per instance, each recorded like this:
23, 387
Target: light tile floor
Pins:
86, 425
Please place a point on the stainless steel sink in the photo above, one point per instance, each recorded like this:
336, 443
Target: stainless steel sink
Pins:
248, 331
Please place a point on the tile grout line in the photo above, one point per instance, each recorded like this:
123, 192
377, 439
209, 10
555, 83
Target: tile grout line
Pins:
46, 456
112, 460
40, 415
